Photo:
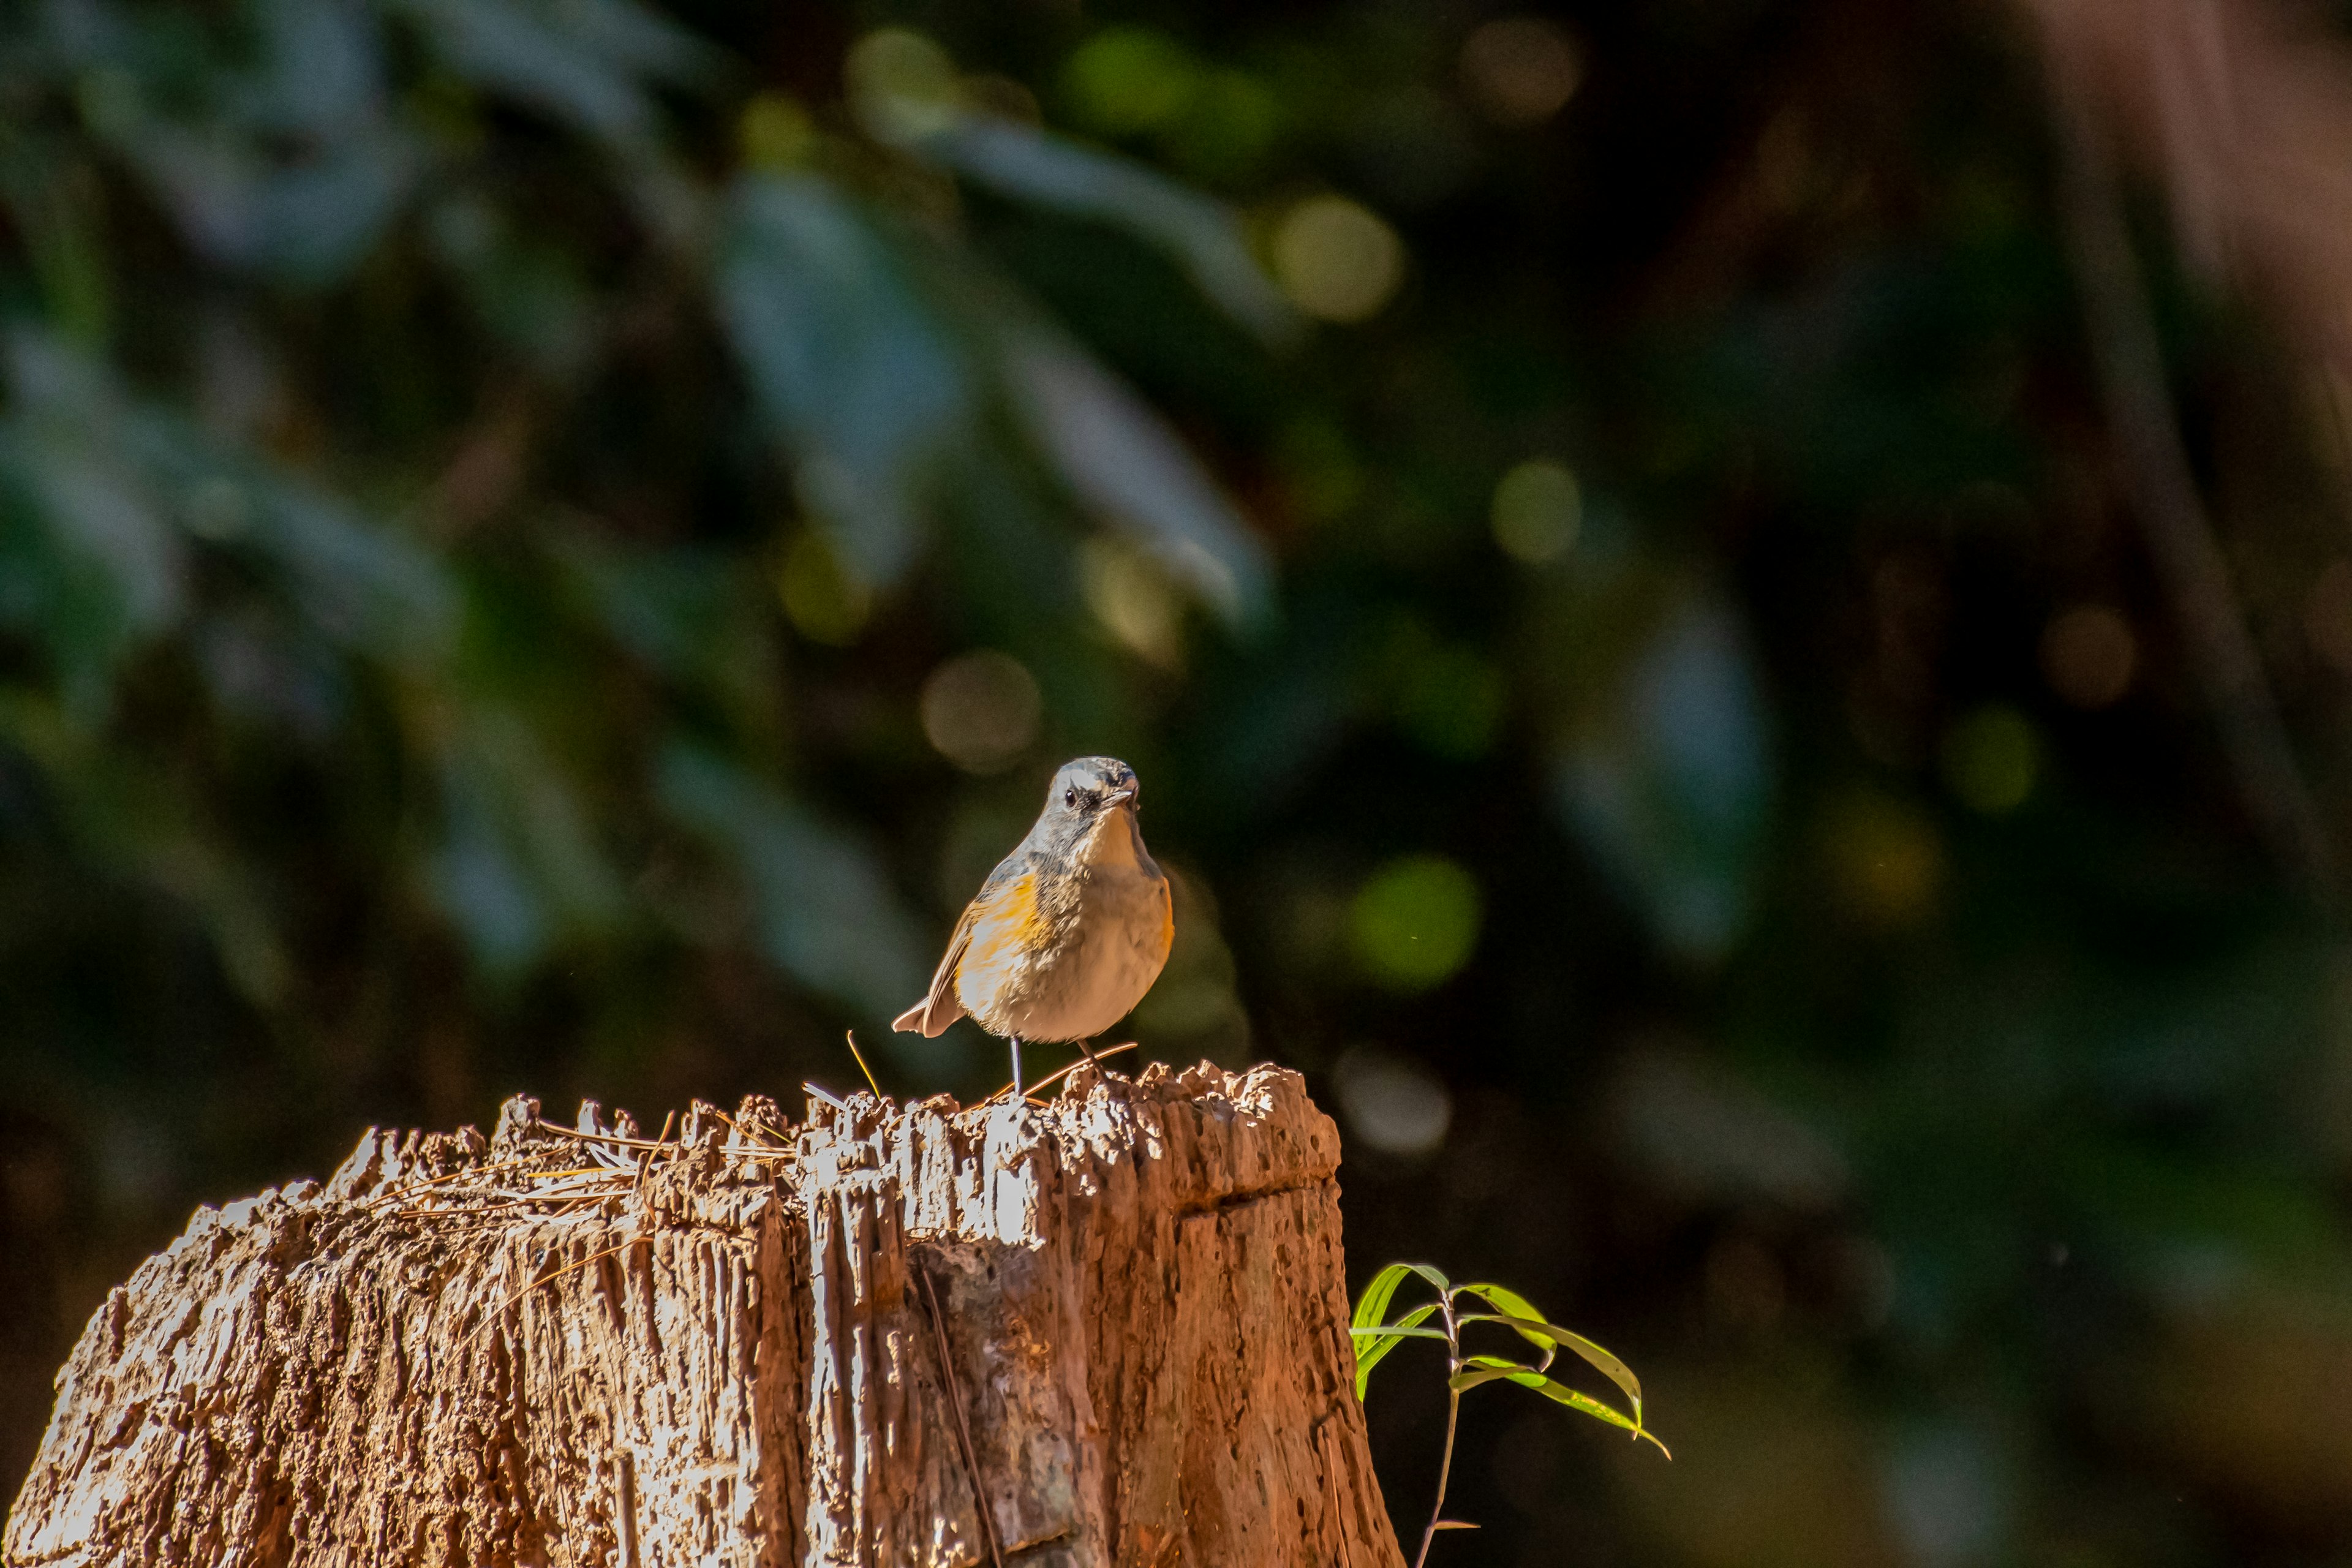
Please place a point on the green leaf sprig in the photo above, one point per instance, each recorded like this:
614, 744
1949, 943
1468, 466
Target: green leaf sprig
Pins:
1375, 1336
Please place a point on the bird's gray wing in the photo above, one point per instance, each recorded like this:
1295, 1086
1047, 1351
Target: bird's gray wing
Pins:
932, 1014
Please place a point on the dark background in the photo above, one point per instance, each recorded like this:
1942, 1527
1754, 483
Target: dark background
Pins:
1780, 775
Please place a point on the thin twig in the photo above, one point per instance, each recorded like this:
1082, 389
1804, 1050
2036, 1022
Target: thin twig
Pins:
2171, 512
546, 1209
400, 1189
851, 1036
1453, 1414
963, 1425
646, 1159
513, 1195
480, 1196
738, 1140
613, 1138
501, 1310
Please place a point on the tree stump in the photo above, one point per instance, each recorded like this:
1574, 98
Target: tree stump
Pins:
1107, 1330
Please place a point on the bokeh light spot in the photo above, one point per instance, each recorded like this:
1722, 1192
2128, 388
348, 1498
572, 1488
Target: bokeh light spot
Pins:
1393, 1102
1337, 259
981, 710
1538, 506
1520, 70
2088, 654
902, 84
1990, 758
1134, 602
2328, 615
1126, 79
823, 601
1415, 922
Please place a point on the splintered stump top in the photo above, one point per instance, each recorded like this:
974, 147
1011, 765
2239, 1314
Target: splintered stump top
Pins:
1109, 1330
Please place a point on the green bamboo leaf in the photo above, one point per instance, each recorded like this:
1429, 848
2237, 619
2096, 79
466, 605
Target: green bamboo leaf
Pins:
1494, 1368
1463, 1381
1372, 1306
1431, 1275
1368, 1353
1487, 1368
1536, 1331
1381, 1330
1514, 1308
1504, 1300
1590, 1406
1452, 1524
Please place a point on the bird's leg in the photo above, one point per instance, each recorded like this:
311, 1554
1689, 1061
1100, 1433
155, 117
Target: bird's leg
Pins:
1017, 1095
1089, 1046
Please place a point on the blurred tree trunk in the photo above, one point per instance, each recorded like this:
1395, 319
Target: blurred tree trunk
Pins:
1120, 1320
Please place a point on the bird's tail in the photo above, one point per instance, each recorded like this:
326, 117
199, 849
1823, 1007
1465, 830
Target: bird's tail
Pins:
928, 1017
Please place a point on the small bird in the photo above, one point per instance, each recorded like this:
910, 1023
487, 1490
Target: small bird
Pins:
1068, 932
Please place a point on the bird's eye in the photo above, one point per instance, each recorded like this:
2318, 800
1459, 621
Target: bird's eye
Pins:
1070, 798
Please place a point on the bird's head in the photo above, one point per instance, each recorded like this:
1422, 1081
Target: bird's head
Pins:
1086, 796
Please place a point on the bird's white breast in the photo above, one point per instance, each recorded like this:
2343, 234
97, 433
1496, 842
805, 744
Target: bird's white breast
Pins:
1103, 941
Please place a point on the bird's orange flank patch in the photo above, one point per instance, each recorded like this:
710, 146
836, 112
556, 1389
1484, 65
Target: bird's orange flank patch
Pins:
1006, 928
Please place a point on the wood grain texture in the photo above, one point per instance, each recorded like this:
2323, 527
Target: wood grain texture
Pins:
734, 1361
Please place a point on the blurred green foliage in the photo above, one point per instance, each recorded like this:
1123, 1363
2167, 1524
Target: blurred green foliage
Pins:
550, 543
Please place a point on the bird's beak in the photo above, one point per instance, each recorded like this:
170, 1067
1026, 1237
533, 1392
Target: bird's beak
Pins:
1120, 796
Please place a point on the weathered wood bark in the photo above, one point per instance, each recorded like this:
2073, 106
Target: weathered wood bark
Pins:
724, 1348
